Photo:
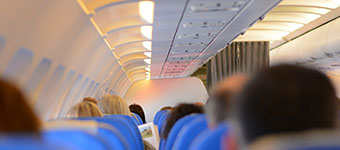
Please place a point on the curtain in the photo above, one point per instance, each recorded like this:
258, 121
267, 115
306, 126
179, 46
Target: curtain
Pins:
238, 57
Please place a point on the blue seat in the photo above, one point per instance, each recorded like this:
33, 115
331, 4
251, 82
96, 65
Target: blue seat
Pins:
187, 134
77, 139
161, 122
139, 119
135, 120
158, 115
30, 142
114, 137
125, 125
210, 138
177, 128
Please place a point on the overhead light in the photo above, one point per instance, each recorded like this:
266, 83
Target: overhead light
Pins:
146, 10
148, 69
147, 45
147, 54
147, 77
148, 61
147, 73
146, 31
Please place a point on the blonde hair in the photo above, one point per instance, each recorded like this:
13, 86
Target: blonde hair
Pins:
90, 99
84, 109
113, 104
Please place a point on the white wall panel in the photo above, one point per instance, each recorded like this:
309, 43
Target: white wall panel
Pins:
155, 94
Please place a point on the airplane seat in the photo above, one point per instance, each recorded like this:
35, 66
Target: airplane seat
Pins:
188, 133
161, 122
139, 119
158, 115
176, 129
29, 142
128, 129
112, 135
210, 138
78, 139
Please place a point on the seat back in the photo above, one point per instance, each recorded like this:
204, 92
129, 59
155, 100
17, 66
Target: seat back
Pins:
210, 138
30, 142
189, 132
77, 139
158, 115
114, 137
139, 119
124, 126
176, 129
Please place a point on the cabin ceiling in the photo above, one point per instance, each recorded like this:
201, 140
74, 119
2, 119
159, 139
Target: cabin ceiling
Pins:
170, 38
290, 19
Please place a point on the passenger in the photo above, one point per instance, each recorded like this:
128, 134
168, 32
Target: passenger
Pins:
112, 104
138, 110
16, 114
285, 99
90, 99
166, 108
177, 113
199, 104
84, 109
219, 106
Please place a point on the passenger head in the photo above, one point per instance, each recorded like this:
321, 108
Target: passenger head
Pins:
177, 113
84, 109
113, 104
219, 105
285, 99
166, 108
135, 108
90, 99
16, 115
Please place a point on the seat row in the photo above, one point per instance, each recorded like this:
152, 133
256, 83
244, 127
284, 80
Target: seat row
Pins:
99, 133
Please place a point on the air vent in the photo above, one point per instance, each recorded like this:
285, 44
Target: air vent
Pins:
177, 62
191, 44
231, 6
196, 35
189, 58
183, 52
205, 24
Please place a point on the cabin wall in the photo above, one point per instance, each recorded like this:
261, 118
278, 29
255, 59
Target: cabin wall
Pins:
52, 50
155, 94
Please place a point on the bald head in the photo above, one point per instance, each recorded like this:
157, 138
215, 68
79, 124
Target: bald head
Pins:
219, 106
231, 84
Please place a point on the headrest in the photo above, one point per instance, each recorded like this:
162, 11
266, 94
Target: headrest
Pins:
90, 126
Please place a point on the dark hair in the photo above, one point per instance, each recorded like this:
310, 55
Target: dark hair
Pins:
135, 108
286, 99
166, 108
16, 114
177, 113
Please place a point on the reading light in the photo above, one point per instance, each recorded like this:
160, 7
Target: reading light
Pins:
146, 31
147, 69
147, 45
147, 54
146, 9
148, 61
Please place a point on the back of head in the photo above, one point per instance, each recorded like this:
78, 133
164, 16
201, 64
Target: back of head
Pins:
84, 109
16, 114
285, 99
113, 104
179, 112
135, 108
166, 108
90, 99
219, 105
